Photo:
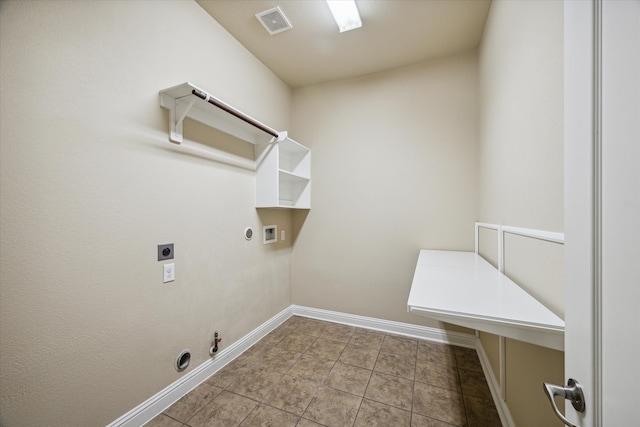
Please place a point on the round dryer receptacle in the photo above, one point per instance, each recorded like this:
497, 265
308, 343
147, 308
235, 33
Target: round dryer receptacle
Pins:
183, 360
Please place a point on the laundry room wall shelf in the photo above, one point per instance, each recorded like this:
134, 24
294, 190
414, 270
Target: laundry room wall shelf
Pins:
283, 166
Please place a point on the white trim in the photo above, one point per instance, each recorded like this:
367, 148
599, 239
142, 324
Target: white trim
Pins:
487, 225
501, 405
550, 236
477, 226
596, 206
388, 326
501, 249
502, 350
156, 404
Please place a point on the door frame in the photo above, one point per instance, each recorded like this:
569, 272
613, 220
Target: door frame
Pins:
583, 185
602, 208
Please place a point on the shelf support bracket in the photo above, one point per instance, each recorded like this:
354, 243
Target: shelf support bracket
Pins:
176, 118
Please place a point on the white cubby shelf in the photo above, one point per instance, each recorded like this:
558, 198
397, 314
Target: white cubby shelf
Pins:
283, 175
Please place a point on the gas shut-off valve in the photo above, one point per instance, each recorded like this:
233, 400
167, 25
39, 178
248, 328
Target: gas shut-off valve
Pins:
216, 340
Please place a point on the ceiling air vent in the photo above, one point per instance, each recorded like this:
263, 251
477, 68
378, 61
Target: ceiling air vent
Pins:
274, 20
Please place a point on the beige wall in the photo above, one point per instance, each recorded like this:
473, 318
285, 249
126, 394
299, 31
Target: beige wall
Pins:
520, 126
394, 168
521, 177
90, 185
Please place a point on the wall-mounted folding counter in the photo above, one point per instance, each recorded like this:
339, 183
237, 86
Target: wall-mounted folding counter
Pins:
463, 289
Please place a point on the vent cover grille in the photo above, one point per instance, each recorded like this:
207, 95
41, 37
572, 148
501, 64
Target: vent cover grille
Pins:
274, 20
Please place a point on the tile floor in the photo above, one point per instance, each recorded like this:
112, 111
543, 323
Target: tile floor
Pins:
310, 373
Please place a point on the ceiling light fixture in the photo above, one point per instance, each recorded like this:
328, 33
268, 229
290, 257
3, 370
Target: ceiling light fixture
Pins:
345, 12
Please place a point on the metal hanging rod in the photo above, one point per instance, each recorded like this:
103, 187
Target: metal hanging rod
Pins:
211, 100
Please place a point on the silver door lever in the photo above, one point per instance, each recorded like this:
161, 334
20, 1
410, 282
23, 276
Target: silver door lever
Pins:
572, 392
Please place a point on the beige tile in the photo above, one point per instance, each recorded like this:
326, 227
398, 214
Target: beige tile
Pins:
467, 358
254, 353
356, 355
225, 410
338, 332
333, 408
438, 374
418, 420
308, 423
193, 401
436, 352
399, 345
163, 421
297, 342
351, 379
255, 383
308, 321
292, 394
293, 322
396, 364
474, 384
375, 414
319, 370
326, 348
391, 390
311, 367
439, 403
277, 335
367, 338
481, 412
229, 374
266, 416
312, 327
278, 360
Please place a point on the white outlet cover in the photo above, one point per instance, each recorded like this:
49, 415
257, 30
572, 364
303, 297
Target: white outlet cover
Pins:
169, 272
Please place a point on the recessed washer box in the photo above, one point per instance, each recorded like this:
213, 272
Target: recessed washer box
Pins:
270, 233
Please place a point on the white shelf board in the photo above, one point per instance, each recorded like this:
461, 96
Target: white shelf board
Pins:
463, 289
183, 103
293, 191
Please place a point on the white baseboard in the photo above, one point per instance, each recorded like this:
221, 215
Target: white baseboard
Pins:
388, 326
494, 387
156, 404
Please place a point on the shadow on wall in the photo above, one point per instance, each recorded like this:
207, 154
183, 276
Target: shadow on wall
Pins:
207, 143
296, 218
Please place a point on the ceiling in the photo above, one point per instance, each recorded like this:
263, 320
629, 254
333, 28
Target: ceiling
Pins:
394, 33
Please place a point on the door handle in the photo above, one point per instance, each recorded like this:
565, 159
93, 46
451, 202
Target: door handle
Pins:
572, 392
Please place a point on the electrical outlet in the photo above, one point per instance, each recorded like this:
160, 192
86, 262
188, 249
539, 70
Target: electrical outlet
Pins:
169, 272
165, 251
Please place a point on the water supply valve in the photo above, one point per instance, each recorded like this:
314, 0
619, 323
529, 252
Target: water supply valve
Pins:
216, 340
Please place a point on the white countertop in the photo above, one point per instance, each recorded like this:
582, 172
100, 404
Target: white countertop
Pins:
463, 289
